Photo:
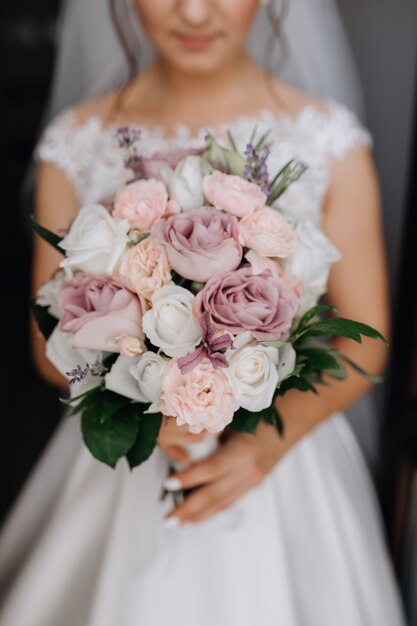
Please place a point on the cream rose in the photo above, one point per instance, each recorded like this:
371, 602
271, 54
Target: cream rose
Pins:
252, 372
171, 324
233, 194
95, 241
268, 233
139, 378
310, 262
146, 266
185, 184
203, 399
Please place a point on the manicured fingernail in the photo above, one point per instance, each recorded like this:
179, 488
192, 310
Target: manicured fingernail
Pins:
172, 484
172, 522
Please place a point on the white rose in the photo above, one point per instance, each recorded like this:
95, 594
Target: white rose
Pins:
185, 184
48, 295
310, 262
170, 324
65, 358
95, 241
252, 372
138, 378
286, 362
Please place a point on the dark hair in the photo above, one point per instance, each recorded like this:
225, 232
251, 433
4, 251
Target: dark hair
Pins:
129, 42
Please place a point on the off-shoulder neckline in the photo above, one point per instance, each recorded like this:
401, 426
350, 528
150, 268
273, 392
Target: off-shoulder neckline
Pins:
182, 130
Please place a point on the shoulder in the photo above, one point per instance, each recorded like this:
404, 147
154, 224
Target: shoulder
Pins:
330, 127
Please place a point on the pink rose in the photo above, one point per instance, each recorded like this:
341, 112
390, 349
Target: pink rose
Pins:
233, 194
98, 310
241, 300
200, 243
146, 266
268, 233
142, 203
203, 398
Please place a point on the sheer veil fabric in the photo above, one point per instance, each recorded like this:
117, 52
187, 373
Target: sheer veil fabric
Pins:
318, 57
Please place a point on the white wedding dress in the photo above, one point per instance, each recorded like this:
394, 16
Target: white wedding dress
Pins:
86, 545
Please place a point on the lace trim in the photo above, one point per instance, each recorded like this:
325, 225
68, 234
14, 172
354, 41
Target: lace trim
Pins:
88, 154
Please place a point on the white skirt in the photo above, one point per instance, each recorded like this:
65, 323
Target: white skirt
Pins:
85, 545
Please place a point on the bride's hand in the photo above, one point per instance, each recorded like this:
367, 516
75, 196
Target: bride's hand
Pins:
172, 440
240, 463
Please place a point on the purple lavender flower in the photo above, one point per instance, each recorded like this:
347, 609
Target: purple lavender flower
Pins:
211, 348
127, 138
80, 373
256, 169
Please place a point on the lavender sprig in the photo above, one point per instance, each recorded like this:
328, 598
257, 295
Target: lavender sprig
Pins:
256, 169
80, 373
127, 139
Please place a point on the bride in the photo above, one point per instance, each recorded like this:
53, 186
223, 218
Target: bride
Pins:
278, 530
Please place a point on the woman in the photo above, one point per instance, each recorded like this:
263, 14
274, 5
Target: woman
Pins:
278, 530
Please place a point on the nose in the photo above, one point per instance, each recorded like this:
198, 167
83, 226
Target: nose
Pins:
195, 12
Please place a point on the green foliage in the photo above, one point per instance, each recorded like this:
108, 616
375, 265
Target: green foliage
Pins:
284, 178
227, 160
47, 235
149, 427
110, 437
45, 321
245, 421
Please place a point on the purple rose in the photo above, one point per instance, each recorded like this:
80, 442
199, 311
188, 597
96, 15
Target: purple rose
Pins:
200, 243
237, 301
99, 312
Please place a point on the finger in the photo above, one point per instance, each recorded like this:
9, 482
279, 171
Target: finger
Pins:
200, 500
206, 471
176, 453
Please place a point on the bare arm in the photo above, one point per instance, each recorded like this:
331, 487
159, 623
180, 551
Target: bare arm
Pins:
55, 205
358, 288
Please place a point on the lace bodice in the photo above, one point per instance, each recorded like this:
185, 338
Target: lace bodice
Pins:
90, 157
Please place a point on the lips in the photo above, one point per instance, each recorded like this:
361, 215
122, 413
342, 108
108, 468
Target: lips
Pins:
195, 42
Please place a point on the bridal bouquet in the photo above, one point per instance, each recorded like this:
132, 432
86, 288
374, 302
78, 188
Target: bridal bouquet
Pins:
189, 294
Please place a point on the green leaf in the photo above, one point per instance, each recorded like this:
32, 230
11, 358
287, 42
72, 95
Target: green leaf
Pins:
262, 140
70, 401
47, 235
231, 140
300, 383
111, 439
311, 314
324, 360
86, 399
273, 418
245, 421
45, 321
372, 377
341, 327
149, 427
284, 178
111, 403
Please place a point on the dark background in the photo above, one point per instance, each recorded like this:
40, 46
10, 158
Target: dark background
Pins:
31, 408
